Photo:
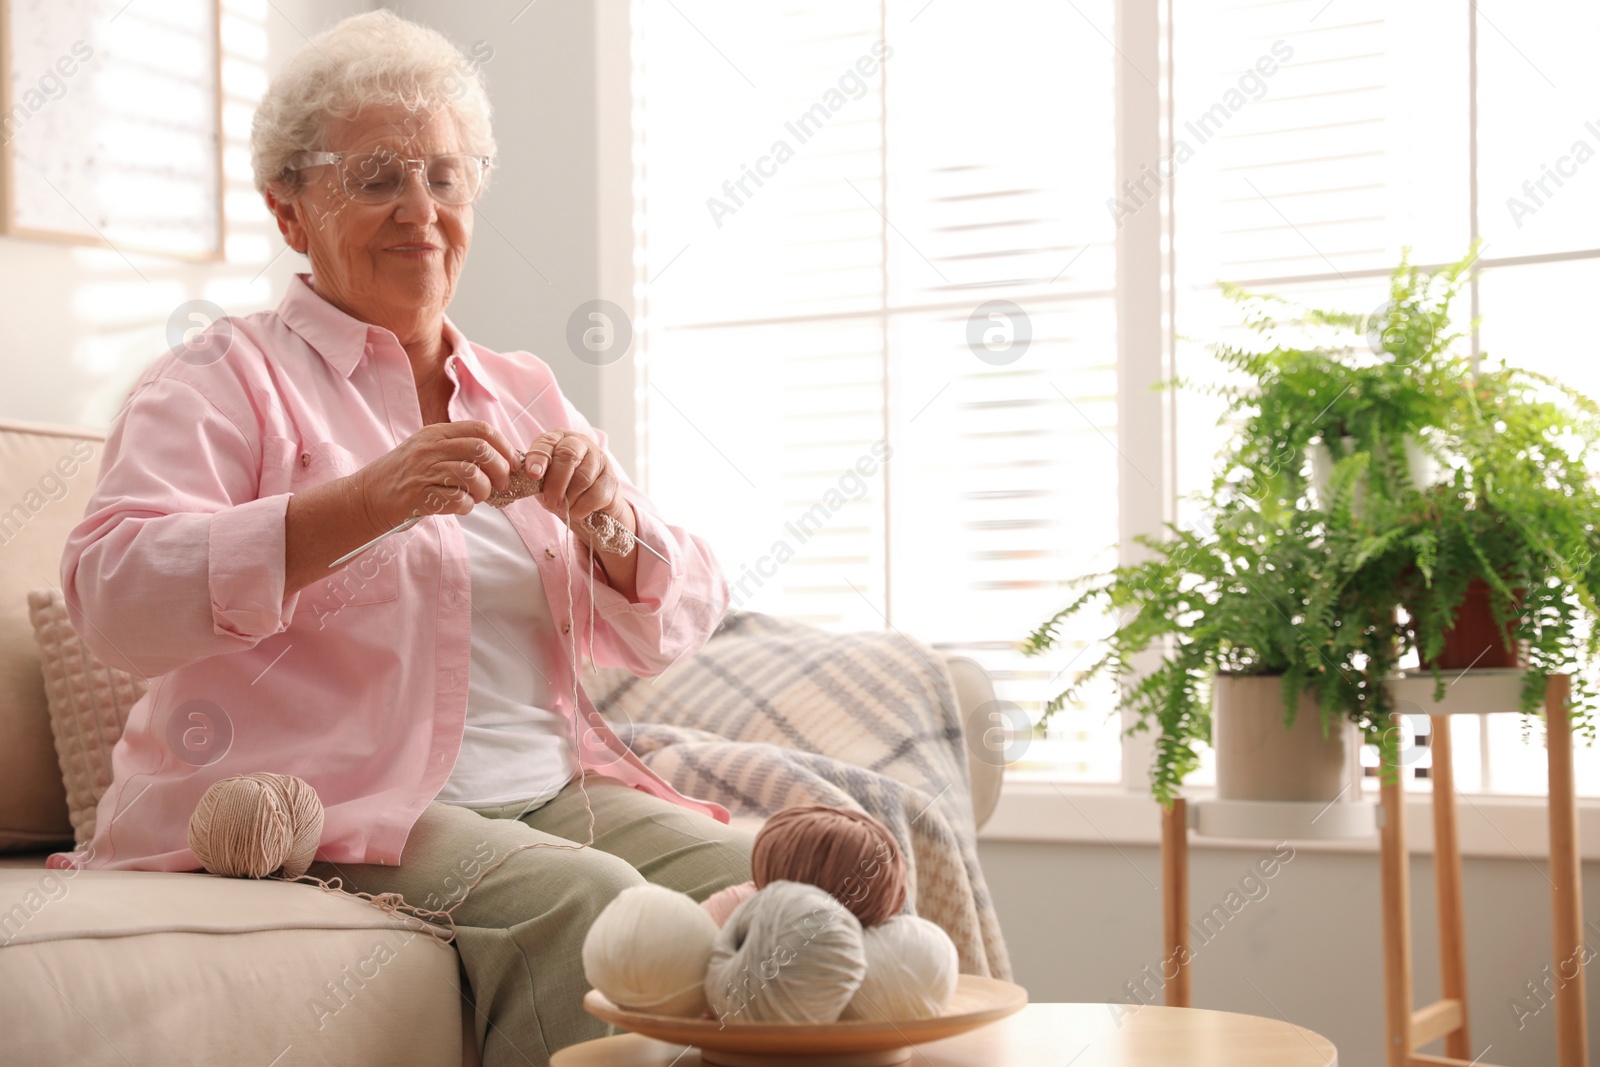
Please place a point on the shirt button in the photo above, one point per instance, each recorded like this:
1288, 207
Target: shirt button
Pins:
566, 627
550, 553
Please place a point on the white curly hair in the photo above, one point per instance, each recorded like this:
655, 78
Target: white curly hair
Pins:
376, 59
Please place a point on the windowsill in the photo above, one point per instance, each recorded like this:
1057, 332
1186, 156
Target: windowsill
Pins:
1500, 827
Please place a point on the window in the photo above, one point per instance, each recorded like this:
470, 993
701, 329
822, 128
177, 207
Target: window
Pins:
877, 286
838, 275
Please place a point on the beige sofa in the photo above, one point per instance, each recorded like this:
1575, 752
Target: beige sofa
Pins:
100, 967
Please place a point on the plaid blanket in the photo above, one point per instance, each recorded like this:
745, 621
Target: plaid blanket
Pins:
772, 712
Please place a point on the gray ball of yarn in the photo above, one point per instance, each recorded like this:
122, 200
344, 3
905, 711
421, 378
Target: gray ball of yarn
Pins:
790, 954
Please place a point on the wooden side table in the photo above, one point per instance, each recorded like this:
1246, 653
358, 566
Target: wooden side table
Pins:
1084, 1035
1478, 692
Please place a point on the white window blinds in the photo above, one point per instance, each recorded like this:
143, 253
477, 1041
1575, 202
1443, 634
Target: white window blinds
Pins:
830, 197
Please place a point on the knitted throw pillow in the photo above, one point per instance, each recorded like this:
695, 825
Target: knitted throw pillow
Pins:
89, 705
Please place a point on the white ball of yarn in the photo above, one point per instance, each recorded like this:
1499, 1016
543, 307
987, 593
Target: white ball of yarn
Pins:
912, 969
648, 951
790, 954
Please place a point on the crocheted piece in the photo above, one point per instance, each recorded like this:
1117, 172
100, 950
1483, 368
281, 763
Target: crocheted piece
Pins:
522, 485
610, 535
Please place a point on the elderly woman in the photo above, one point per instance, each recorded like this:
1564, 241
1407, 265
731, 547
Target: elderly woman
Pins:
427, 689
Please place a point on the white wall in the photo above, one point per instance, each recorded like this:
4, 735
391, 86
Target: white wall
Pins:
1083, 920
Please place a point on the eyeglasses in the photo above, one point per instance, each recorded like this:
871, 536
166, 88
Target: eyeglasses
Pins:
378, 176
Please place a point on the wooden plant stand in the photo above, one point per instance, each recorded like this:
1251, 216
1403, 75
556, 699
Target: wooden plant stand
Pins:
1476, 693
1406, 1028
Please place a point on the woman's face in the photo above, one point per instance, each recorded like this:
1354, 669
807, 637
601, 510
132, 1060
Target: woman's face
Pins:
392, 265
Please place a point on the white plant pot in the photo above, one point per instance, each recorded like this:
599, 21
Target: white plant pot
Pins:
1258, 759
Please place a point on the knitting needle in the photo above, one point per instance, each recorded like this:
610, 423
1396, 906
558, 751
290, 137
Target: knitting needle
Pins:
352, 555
604, 525
418, 518
645, 545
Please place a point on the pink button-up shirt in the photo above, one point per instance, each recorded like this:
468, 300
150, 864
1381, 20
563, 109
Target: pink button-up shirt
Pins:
358, 684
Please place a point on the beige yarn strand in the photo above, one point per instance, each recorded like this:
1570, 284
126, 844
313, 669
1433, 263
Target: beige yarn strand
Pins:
567, 562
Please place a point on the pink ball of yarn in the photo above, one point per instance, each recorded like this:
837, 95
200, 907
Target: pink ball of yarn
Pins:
251, 825
720, 904
849, 853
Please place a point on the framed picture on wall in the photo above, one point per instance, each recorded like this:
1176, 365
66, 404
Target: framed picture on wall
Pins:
111, 124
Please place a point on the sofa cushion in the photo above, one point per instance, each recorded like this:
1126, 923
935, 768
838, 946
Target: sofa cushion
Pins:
46, 474
89, 705
120, 967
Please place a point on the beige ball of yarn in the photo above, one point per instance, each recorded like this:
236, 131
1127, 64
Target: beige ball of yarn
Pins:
648, 951
790, 954
912, 969
251, 825
720, 905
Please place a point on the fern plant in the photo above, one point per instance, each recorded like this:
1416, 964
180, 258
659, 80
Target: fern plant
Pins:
1518, 512
1328, 581
1244, 597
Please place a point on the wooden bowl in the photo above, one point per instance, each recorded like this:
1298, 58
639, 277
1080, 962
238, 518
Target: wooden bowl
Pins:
977, 1002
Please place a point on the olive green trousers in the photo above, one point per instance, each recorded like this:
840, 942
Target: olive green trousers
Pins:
520, 931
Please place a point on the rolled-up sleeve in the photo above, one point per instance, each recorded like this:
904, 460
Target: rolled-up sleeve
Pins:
178, 557
246, 568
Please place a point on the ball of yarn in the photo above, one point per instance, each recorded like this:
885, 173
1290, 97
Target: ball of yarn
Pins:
789, 954
251, 825
648, 951
720, 904
848, 853
912, 969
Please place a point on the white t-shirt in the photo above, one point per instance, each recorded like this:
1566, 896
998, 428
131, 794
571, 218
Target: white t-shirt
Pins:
513, 749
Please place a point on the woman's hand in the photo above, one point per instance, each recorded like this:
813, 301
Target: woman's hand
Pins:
446, 467
579, 480
578, 476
